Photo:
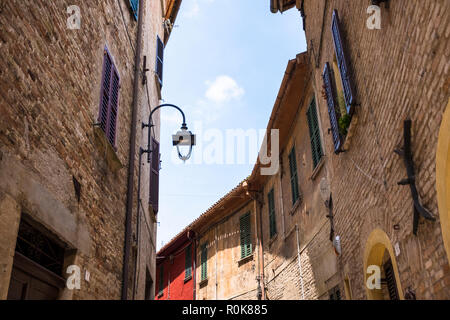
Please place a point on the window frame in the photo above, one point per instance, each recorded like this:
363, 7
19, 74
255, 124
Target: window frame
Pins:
204, 262
188, 263
272, 213
245, 235
293, 170
314, 133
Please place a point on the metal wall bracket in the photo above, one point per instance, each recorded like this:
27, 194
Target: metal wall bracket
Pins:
406, 154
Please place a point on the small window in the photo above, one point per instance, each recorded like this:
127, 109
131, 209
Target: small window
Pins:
314, 133
134, 7
161, 281
159, 60
188, 263
272, 221
294, 177
246, 240
109, 98
204, 262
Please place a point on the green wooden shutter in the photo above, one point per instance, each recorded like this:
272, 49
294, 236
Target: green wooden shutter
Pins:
246, 240
204, 262
188, 263
161, 280
294, 176
272, 222
314, 133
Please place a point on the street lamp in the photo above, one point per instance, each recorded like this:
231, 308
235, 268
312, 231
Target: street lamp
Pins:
183, 138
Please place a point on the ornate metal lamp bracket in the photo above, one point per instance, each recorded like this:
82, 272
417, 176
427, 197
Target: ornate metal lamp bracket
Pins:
406, 154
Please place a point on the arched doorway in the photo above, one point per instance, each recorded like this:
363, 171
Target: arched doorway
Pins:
443, 177
379, 252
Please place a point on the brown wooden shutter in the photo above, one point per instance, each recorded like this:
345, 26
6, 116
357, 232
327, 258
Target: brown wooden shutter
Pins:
114, 105
331, 102
109, 98
154, 176
159, 60
342, 62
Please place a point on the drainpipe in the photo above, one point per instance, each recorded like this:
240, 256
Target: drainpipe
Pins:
260, 270
138, 229
132, 155
261, 252
215, 231
194, 271
299, 262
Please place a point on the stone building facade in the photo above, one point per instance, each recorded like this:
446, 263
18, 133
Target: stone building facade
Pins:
299, 258
371, 80
363, 190
67, 111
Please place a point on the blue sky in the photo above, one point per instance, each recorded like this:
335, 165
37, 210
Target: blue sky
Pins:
223, 66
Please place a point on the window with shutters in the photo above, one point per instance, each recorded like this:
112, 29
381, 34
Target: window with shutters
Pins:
154, 176
109, 98
342, 62
272, 221
134, 7
246, 239
338, 87
204, 262
294, 177
314, 133
188, 263
159, 60
161, 281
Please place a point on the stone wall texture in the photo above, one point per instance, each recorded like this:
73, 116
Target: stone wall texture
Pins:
399, 72
50, 79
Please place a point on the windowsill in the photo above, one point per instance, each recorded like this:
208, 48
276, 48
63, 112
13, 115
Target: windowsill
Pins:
318, 168
203, 283
295, 206
187, 279
110, 154
245, 260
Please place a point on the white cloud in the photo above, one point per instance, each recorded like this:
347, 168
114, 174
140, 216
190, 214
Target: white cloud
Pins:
223, 89
193, 10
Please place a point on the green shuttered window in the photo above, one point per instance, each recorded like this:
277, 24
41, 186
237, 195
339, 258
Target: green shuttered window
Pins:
188, 263
204, 262
246, 240
314, 133
294, 177
272, 222
161, 281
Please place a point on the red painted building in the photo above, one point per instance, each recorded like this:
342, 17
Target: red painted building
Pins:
175, 265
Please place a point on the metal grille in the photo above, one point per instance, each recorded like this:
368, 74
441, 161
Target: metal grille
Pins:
37, 247
390, 280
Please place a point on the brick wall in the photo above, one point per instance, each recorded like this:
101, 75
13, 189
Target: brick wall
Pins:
50, 79
399, 72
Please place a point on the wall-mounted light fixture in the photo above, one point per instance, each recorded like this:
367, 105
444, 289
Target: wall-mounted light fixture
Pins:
182, 139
